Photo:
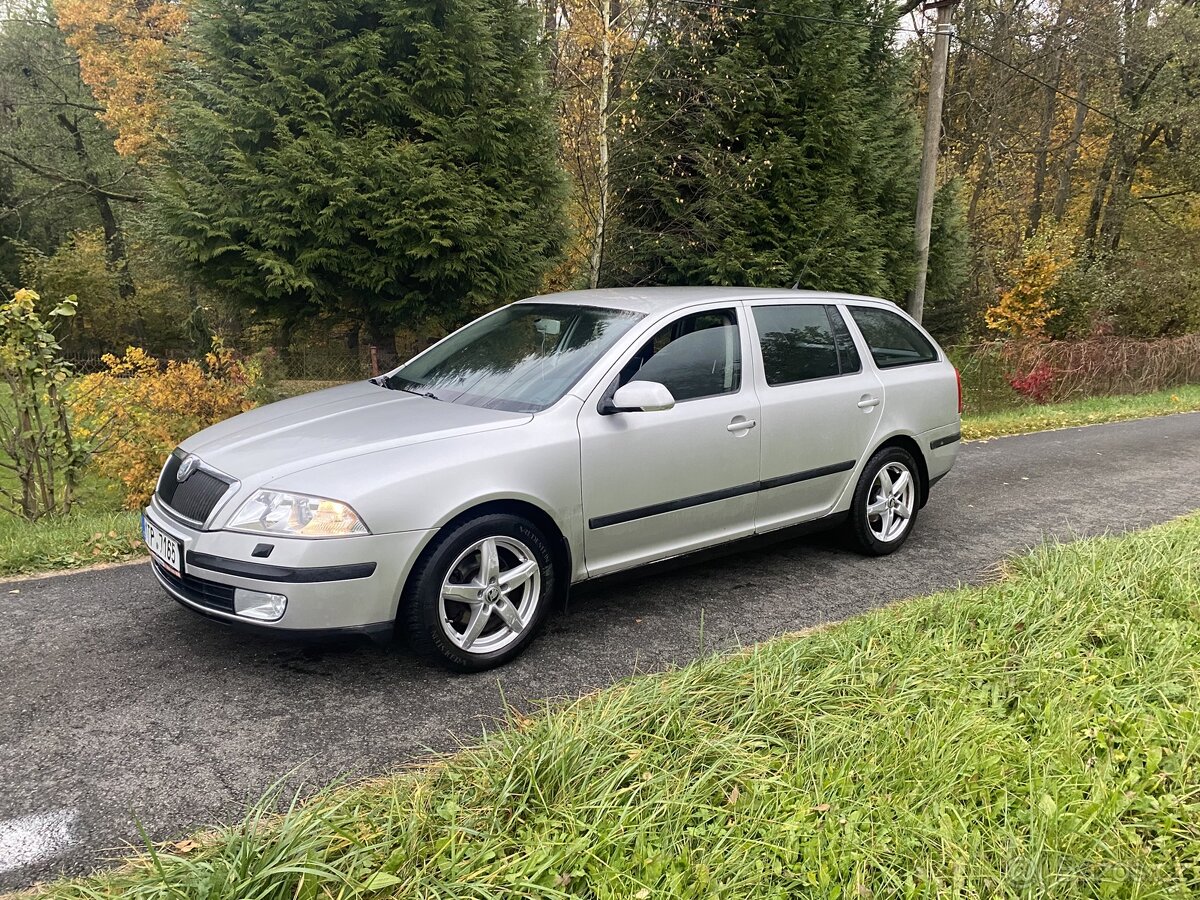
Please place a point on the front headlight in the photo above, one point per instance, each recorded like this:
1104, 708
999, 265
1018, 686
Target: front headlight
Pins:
280, 512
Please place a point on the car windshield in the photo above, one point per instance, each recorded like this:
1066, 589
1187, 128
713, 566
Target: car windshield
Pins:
522, 358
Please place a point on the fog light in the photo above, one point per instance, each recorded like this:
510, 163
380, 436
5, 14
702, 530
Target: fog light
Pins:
259, 605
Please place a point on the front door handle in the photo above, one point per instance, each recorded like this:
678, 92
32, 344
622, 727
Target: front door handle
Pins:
740, 424
868, 402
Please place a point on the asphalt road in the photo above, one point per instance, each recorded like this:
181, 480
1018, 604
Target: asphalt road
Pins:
118, 703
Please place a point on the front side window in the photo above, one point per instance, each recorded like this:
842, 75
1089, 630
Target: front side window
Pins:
893, 341
521, 359
797, 343
696, 356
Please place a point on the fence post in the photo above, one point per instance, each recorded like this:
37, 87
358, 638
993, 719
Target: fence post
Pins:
374, 361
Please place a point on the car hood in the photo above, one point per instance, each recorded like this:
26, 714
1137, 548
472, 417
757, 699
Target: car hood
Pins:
338, 423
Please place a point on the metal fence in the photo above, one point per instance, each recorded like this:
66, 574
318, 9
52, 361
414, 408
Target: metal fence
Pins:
327, 364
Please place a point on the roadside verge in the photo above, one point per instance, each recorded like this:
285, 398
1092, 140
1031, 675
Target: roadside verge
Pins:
1075, 413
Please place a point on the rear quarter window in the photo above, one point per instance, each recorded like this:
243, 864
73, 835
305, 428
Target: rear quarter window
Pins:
893, 341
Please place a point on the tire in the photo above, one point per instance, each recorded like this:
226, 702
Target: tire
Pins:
471, 628
885, 530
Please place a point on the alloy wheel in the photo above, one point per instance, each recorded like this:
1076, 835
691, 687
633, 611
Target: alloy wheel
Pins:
490, 595
890, 502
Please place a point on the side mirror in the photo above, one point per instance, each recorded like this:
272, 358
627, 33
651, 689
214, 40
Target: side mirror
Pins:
642, 396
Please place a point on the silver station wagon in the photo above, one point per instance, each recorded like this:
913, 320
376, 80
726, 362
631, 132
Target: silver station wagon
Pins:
557, 439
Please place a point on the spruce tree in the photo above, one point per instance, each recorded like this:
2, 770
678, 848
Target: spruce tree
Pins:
769, 145
385, 161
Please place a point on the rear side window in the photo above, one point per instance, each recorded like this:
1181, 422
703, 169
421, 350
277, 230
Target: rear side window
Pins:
893, 341
803, 342
797, 343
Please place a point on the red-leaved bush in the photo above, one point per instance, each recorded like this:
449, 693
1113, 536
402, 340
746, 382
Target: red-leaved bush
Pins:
1037, 385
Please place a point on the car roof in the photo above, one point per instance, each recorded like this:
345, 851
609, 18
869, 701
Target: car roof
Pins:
664, 299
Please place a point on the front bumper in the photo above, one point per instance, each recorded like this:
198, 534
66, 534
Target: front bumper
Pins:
334, 584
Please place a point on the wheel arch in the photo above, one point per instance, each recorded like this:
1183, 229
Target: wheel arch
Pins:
559, 545
909, 443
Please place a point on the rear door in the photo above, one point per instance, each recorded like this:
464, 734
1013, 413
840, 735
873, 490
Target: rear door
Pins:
656, 484
820, 407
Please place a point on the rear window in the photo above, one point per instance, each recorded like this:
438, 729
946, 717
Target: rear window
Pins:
893, 341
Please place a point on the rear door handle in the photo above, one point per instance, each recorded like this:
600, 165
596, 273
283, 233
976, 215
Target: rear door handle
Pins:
868, 402
740, 425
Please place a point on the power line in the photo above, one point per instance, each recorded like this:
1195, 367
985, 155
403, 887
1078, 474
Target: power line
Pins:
1042, 82
716, 4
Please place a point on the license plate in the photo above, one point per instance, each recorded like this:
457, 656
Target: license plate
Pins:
166, 549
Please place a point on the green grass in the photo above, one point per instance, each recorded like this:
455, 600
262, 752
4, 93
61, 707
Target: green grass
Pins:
97, 530
84, 537
1035, 737
1091, 411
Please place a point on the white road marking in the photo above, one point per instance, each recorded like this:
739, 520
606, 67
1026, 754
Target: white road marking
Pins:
26, 840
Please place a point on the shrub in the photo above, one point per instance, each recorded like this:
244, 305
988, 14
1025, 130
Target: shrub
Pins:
1102, 366
1026, 307
1036, 385
264, 370
159, 315
40, 449
138, 410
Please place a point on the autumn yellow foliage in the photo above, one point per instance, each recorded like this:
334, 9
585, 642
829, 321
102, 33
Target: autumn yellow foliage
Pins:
138, 410
124, 50
1025, 308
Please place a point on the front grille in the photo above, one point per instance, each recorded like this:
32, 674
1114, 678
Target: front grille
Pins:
193, 498
204, 593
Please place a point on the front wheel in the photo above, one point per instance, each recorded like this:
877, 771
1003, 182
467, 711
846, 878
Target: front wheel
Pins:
479, 593
886, 501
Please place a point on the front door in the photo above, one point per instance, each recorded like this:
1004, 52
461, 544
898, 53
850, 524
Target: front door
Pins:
656, 484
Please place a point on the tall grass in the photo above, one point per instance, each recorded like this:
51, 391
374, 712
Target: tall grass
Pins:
89, 534
1037, 737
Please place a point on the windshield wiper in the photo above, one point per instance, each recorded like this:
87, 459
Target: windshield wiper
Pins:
394, 385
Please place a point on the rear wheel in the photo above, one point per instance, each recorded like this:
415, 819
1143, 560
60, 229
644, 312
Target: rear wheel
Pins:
886, 502
479, 593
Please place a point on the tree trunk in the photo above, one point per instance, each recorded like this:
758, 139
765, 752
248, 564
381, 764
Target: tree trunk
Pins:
1123, 179
1071, 151
1049, 110
602, 173
1113, 222
985, 172
382, 337
114, 240
1099, 192
283, 343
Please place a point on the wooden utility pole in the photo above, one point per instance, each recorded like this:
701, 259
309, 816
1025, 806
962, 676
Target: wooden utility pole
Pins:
933, 134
